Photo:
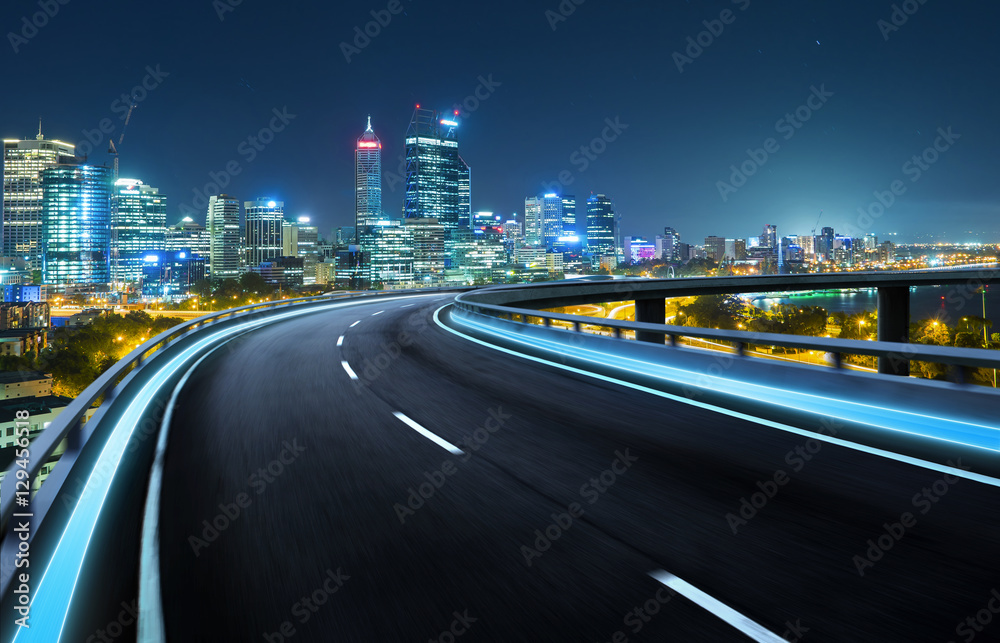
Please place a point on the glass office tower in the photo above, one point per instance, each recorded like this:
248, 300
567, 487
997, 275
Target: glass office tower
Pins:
76, 215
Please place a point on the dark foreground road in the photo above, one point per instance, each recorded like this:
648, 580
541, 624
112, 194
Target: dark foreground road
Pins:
354, 526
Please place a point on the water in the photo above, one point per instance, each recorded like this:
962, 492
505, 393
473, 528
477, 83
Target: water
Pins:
945, 303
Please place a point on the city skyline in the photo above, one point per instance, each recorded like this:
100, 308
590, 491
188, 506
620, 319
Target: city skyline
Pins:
657, 132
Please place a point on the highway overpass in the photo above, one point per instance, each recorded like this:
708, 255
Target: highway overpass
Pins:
399, 467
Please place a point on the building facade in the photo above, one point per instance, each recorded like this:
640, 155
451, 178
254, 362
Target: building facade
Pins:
262, 232
438, 180
138, 228
188, 235
23, 162
224, 237
76, 214
601, 226
368, 178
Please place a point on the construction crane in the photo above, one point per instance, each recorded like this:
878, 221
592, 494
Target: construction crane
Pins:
113, 151
817, 223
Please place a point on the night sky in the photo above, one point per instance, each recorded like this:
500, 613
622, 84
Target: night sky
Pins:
553, 91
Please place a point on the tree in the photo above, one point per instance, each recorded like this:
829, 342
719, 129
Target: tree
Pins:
202, 288
251, 283
712, 311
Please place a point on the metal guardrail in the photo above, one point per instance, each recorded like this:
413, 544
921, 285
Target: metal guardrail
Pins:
69, 425
960, 357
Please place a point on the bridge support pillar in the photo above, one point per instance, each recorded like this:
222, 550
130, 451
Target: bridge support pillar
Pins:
894, 326
651, 311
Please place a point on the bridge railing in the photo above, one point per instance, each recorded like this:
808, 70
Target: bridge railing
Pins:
962, 358
70, 425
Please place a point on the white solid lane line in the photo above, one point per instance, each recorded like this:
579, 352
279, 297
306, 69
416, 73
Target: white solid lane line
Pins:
751, 628
355, 323
340, 341
350, 371
441, 442
890, 455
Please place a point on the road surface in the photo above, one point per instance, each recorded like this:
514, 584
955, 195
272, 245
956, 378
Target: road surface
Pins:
548, 499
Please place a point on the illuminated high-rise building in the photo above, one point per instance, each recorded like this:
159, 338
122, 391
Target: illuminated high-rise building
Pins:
671, 245
388, 246
76, 215
262, 231
552, 219
428, 250
534, 208
368, 178
769, 238
569, 215
225, 237
300, 239
601, 226
138, 228
23, 162
438, 180
188, 235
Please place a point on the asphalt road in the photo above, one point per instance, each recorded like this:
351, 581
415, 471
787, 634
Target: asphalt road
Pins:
333, 543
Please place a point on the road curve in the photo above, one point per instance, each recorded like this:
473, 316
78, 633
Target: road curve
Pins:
550, 497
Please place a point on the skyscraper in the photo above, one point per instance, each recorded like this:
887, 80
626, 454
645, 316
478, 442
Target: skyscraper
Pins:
769, 238
186, 235
825, 245
224, 237
76, 211
552, 219
368, 178
671, 245
300, 239
569, 214
601, 226
438, 180
23, 162
138, 228
264, 220
533, 212
428, 250
389, 250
